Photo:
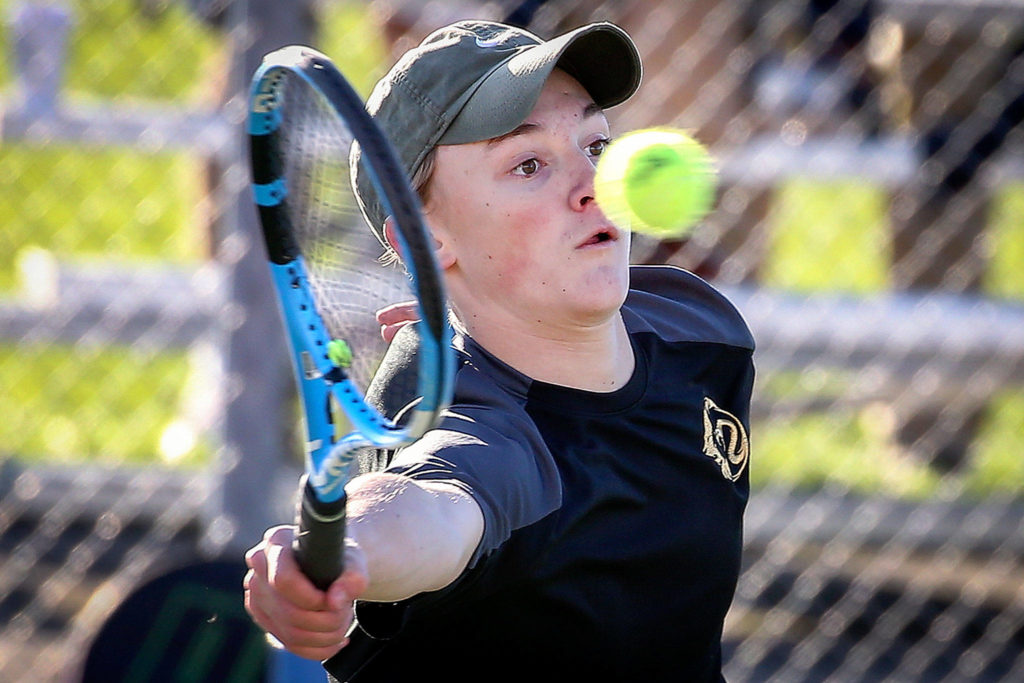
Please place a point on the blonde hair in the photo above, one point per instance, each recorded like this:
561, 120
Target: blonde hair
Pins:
420, 183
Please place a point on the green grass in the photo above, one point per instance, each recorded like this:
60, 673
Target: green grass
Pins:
835, 448
857, 451
114, 50
81, 201
124, 205
828, 236
351, 37
1005, 276
998, 459
833, 237
111, 405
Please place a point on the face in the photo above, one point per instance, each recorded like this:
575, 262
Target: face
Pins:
520, 231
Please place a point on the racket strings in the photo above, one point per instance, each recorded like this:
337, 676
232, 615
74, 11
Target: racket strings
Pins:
342, 256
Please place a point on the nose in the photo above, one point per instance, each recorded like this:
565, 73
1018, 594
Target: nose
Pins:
583, 186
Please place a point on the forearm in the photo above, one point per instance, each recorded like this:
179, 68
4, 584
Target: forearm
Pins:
416, 536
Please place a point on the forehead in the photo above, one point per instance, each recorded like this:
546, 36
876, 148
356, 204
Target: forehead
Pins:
561, 89
562, 96
563, 102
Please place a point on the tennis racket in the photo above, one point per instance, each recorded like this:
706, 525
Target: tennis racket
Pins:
305, 122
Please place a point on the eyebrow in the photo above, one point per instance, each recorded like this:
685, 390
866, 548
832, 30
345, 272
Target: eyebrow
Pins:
592, 109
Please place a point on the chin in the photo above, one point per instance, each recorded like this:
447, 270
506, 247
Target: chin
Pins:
605, 292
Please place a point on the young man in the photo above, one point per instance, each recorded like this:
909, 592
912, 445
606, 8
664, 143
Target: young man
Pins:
577, 515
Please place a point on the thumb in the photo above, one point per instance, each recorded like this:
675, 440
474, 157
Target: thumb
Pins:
352, 583
347, 588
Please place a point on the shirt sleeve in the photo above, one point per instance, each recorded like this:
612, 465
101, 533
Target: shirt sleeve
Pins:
506, 468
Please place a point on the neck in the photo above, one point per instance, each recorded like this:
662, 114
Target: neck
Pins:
594, 357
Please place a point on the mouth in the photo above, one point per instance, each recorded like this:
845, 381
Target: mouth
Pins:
605, 235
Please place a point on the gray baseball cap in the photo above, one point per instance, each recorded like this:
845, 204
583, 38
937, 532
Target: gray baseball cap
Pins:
476, 80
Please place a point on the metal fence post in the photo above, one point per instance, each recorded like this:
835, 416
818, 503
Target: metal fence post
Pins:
258, 477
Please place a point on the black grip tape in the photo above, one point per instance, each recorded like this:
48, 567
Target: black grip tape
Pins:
320, 545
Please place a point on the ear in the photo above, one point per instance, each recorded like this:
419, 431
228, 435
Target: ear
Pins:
442, 251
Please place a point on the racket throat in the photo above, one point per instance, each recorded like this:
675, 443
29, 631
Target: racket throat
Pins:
310, 370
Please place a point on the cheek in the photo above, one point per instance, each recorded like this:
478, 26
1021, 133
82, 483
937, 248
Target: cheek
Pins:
540, 259
506, 239
512, 242
509, 260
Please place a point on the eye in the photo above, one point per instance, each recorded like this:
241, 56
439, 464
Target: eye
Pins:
597, 147
527, 168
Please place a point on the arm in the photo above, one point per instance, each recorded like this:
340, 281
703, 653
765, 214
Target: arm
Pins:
405, 537
416, 536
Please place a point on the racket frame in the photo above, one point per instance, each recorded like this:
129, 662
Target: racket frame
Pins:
323, 385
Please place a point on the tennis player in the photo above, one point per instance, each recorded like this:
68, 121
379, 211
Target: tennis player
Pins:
577, 515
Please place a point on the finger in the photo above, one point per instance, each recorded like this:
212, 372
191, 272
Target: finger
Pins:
388, 332
293, 626
313, 629
256, 560
406, 311
311, 645
255, 609
282, 602
353, 582
286, 578
294, 588
282, 534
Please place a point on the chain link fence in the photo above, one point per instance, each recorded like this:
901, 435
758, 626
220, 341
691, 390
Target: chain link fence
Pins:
869, 225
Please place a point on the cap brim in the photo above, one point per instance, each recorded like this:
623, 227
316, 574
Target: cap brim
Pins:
602, 57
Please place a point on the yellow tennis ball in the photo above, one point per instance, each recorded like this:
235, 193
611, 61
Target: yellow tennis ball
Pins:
657, 181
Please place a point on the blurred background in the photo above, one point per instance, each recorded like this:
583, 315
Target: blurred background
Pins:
869, 225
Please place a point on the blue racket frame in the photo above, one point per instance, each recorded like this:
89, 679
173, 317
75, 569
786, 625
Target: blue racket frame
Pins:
322, 382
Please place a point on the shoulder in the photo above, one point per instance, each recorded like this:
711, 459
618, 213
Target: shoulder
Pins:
487, 445
680, 306
487, 425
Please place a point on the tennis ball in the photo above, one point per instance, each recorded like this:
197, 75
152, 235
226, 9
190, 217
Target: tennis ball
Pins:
657, 181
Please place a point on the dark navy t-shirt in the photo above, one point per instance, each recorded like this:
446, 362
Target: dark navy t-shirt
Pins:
613, 521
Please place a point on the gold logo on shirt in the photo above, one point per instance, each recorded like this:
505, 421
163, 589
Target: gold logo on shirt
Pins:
725, 440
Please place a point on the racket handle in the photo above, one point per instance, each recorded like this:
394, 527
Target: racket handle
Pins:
319, 546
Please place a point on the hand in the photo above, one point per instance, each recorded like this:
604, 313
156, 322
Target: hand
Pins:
396, 316
281, 600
